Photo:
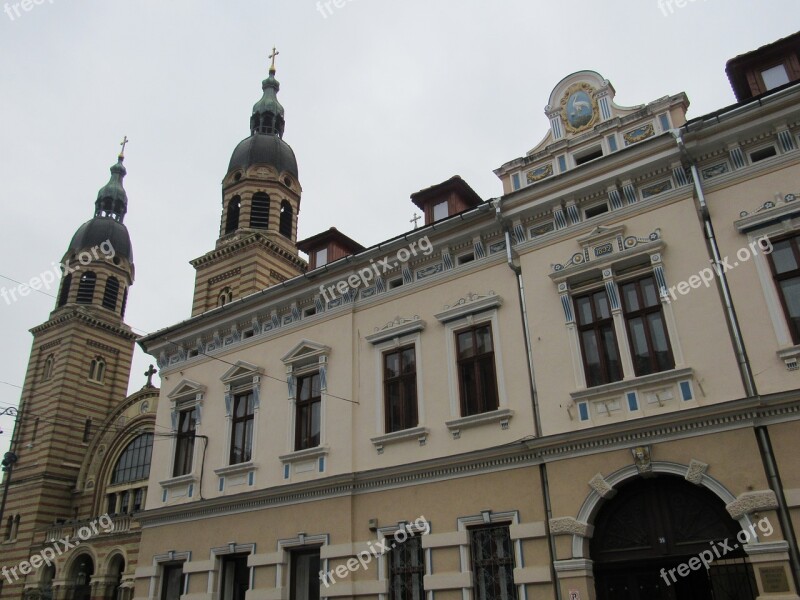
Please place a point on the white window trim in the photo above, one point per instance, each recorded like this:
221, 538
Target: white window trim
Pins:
156, 571
750, 151
216, 559
384, 533
283, 566
187, 395
241, 378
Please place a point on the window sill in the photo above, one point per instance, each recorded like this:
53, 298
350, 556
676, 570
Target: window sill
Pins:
307, 454
419, 433
236, 469
501, 415
178, 481
790, 357
626, 385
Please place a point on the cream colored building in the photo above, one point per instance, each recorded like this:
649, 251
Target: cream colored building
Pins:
551, 394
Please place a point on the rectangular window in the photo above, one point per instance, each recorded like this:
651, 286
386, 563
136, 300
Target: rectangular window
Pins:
466, 258
184, 447
583, 411
477, 380
407, 570
305, 575
493, 563
242, 428
775, 77
595, 211
587, 155
785, 264
172, 582
111, 504
309, 403
515, 181
235, 577
322, 257
612, 143
763, 154
633, 402
125, 503
400, 389
440, 210
598, 341
647, 330
138, 498
663, 118
562, 163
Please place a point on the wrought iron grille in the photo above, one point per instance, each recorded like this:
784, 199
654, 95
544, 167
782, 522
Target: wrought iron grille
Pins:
493, 563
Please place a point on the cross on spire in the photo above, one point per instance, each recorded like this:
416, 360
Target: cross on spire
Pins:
272, 56
415, 219
149, 373
124, 143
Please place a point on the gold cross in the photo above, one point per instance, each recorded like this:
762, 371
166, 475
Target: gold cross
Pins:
123, 144
415, 219
272, 56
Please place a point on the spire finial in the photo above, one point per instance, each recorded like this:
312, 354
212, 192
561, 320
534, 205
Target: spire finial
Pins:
273, 56
124, 143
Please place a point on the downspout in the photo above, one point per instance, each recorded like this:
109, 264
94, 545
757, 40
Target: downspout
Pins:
544, 482
761, 432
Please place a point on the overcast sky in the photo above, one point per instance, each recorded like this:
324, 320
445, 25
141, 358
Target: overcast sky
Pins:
382, 99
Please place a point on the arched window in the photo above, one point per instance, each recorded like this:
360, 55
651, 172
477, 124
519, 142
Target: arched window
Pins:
124, 302
232, 218
64, 295
259, 213
286, 219
134, 462
9, 528
86, 288
97, 369
15, 528
111, 293
47, 372
225, 296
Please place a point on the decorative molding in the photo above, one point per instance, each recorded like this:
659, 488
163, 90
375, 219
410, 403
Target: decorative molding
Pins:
418, 433
696, 472
600, 244
501, 415
602, 487
782, 207
750, 502
396, 328
570, 526
642, 459
470, 304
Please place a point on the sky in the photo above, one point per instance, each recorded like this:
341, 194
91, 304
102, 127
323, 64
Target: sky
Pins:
382, 99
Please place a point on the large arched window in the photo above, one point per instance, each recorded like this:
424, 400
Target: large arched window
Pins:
111, 293
86, 288
64, 295
97, 369
232, 217
286, 219
134, 462
259, 212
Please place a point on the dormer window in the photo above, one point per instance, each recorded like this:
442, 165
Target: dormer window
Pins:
775, 77
322, 257
440, 211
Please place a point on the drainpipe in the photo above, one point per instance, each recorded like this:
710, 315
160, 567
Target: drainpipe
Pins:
548, 509
762, 433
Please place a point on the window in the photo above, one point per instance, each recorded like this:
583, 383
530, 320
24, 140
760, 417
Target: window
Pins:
595, 211
124, 302
612, 143
493, 563
64, 295
87, 431
407, 570
440, 210
305, 575
395, 283
309, 403
259, 212
400, 389
466, 258
111, 504
515, 181
763, 154
785, 263
476, 370
235, 577
172, 582
184, 448
322, 257
97, 369
232, 216
588, 155
562, 163
86, 288
647, 331
111, 293
134, 462
138, 499
225, 296
598, 342
47, 372
663, 119
775, 77
286, 220
242, 428
124, 504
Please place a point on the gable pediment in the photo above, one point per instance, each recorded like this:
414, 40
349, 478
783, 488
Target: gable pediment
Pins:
305, 350
241, 370
186, 388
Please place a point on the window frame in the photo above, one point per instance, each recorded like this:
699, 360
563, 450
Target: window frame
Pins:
794, 241
477, 360
596, 326
643, 312
400, 380
248, 396
307, 404
493, 560
187, 438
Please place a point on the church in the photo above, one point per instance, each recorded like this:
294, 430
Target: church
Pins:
584, 388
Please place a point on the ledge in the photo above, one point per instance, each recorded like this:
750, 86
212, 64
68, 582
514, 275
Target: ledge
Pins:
244, 467
626, 385
790, 357
420, 433
177, 481
306, 454
469, 306
501, 415
395, 330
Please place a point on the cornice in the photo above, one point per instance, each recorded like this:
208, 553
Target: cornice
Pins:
241, 244
62, 316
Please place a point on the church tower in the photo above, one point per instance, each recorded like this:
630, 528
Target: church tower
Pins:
78, 371
261, 193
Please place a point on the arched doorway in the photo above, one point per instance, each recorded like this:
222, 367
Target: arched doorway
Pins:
115, 569
657, 524
80, 577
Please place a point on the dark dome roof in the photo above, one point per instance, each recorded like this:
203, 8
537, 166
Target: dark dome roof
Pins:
98, 230
266, 149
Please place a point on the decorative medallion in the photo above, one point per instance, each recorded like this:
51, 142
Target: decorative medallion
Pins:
539, 173
144, 407
639, 134
579, 108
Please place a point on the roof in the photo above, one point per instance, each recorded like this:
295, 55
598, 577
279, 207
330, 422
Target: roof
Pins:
736, 67
454, 184
331, 235
266, 149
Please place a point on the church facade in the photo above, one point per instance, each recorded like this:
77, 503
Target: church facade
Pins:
584, 388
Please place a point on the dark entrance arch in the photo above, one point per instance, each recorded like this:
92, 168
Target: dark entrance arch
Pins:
656, 524
81, 578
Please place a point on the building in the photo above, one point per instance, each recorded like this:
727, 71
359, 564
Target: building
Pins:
585, 388
80, 454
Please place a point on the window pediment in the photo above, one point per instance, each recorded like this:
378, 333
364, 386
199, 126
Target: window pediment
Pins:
469, 305
241, 370
399, 327
187, 389
305, 352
